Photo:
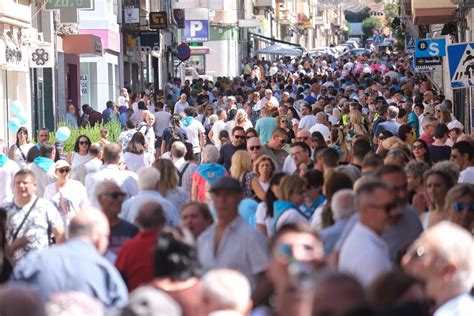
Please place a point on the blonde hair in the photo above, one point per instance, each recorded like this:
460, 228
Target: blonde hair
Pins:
241, 164
355, 117
279, 118
261, 159
168, 175
241, 114
291, 184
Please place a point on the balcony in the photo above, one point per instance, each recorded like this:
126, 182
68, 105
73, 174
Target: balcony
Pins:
16, 13
432, 11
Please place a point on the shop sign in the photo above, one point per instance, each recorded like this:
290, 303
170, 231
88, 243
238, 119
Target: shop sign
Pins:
13, 55
41, 56
84, 82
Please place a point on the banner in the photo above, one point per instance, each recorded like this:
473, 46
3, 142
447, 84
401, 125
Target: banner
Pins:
41, 56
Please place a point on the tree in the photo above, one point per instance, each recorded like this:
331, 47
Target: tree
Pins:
368, 24
357, 17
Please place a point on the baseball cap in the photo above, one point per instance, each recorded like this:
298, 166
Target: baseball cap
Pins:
61, 164
455, 124
226, 183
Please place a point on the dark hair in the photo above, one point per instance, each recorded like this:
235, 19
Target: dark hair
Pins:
403, 131
109, 104
151, 215
189, 111
441, 130
319, 138
130, 124
388, 169
136, 144
84, 107
292, 228
25, 173
315, 178
330, 157
270, 197
76, 144
203, 210
295, 114
46, 150
238, 128
22, 129
372, 160
251, 130
189, 156
464, 147
426, 156
360, 148
302, 145
141, 105
175, 257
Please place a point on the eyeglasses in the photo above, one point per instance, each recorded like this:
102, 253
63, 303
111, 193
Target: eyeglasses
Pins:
116, 195
239, 136
458, 207
418, 147
256, 147
64, 170
83, 143
388, 207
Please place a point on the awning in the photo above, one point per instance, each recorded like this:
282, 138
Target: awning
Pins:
281, 49
272, 40
82, 44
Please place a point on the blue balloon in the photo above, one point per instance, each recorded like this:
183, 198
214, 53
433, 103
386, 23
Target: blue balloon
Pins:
14, 124
16, 107
63, 133
22, 118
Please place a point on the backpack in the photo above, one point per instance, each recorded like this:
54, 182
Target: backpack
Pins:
181, 173
139, 127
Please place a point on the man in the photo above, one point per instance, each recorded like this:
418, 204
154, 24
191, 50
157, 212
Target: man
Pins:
413, 120
428, 126
135, 260
265, 125
462, 154
111, 171
109, 114
364, 253
185, 169
110, 199
297, 255
28, 218
274, 147
428, 102
289, 165
328, 160
218, 126
230, 242
148, 179
181, 104
43, 137
90, 116
321, 126
8, 169
443, 259
20, 299
43, 167
307, 118
381, 117
194, 131
391, 125
360, 149
237, 143
162, 121
93, 165
269, 98
78, 264
255, 148
226, 293
301, 154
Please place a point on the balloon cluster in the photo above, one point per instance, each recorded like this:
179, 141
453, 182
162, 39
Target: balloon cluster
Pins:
63, 133
20, 118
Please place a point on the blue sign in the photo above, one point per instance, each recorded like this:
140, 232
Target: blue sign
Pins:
196, 31
183, 52
430, 47
461, 65
377, 39
409, 43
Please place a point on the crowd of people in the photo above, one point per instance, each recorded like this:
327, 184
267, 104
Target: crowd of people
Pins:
309, 186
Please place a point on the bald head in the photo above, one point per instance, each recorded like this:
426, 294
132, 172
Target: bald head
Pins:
92, 225
17, 299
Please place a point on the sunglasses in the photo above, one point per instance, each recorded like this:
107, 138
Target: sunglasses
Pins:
64, 170
116, 195
83, 143
418, 147
284, 121
257, 147
239, 136
458, 207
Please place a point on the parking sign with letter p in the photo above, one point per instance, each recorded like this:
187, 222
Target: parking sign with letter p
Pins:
196, 31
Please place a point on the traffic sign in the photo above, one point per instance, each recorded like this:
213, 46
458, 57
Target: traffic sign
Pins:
183, 51
377, 39
429, 52
196, 31
409, 43
461, 65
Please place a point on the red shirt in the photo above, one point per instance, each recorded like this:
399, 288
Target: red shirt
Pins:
135, 260
427, 140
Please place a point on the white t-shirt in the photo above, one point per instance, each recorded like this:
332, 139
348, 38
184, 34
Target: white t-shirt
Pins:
162, 121
218, 126
262, 218
134, 161
467, 175
180, 106
7, 173
307, 122
323, 129
192, 131
290, 216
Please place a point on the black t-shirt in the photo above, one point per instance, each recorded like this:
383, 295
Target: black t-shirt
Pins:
180, 133
120, 234
439, 153
226, 153
32, 154
202, 98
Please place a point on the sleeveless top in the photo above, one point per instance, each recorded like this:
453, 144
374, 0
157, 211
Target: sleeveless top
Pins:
76, 161
19, 154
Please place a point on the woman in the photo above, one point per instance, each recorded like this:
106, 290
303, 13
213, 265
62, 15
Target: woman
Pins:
284, 122
19, 150
356, 126
314, 195
417, 194
459, 206
146, 128
264, 213
420, 151
71, 116
134, 156
241, 119
337, 141
251, 132
175, 131
292, 195
69, 196
207, 174
263, 168
437, 184
397, 157
241, 169
196, 217
176, 268
79, 156
168, 185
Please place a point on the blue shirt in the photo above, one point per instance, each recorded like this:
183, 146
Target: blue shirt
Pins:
107, 115
73, 266
391, 126
265, 127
